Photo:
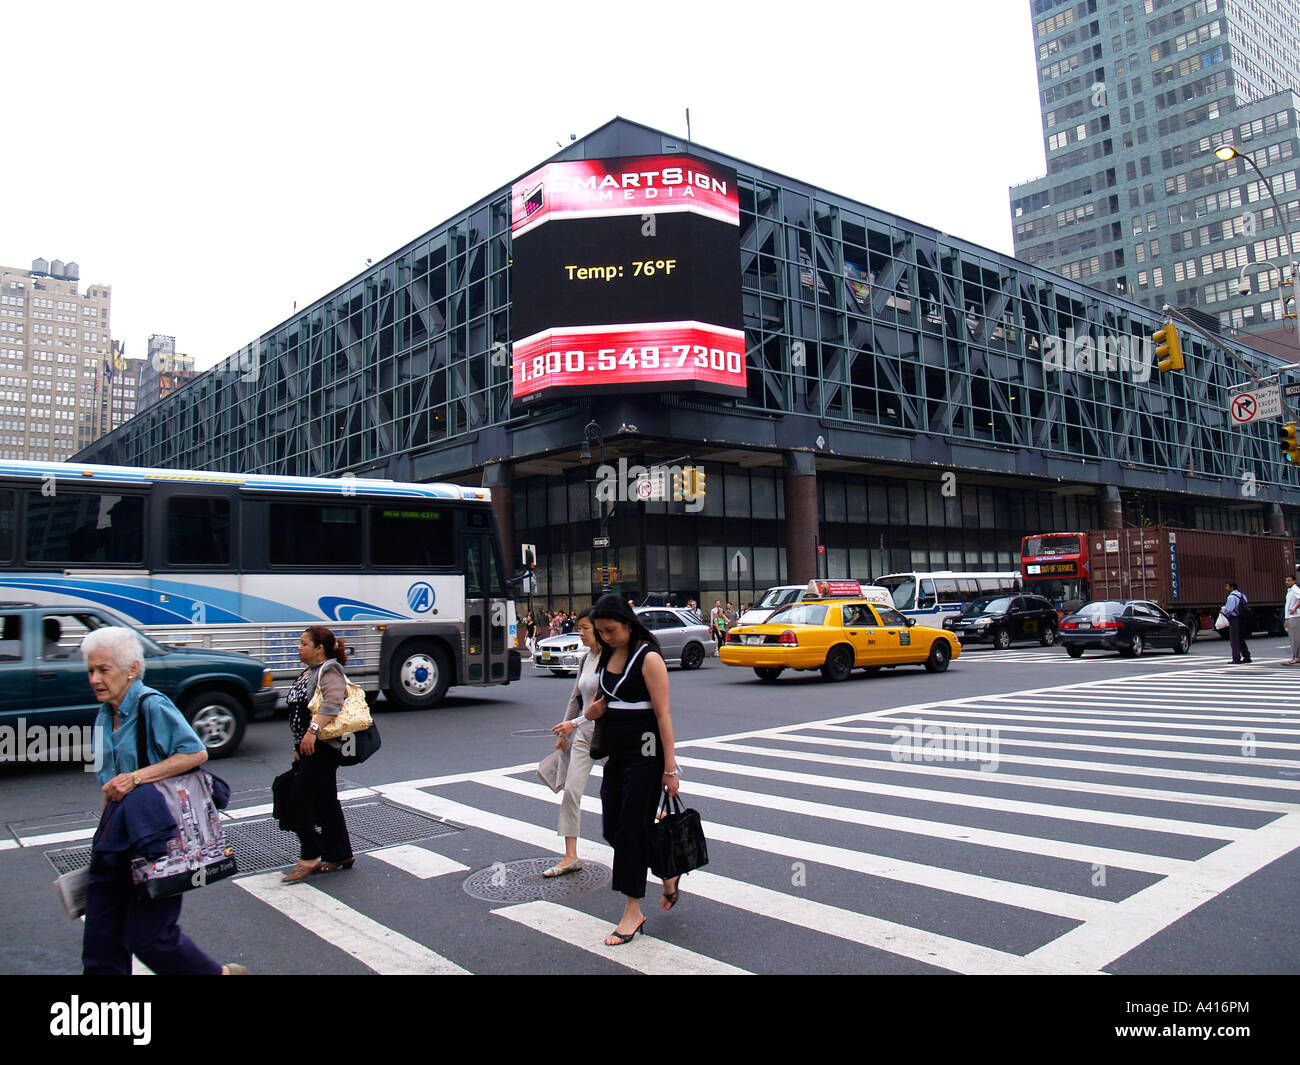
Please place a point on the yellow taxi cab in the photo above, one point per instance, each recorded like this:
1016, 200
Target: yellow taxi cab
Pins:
837, 630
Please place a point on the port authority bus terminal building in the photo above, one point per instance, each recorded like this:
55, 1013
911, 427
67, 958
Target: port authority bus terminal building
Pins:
864, 395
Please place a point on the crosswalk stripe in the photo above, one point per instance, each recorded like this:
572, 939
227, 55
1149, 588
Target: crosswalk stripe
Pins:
643, 954
993, 802
1065, 783
1092, 748
374, 945
1032, 716
1089, 947
930, 948
971, 885
1046, 783
1028, 726
418, 862
1101, 715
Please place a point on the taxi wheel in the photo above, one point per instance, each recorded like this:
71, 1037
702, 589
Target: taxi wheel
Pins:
1048, 637
940, 656
1002, 639
767, 673
839, 664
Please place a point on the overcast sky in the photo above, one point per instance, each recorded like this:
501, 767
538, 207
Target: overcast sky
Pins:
215, 163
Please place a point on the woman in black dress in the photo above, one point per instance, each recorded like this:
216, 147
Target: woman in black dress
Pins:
632, 694
316, 761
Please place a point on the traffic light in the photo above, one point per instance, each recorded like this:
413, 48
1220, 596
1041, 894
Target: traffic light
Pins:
697, 483
1290, 443
1169, 350
681, 484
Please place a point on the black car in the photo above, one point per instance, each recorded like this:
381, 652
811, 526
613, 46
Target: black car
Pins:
1127, 627
1005, 618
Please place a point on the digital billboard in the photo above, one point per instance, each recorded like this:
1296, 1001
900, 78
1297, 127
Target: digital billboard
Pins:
626, 277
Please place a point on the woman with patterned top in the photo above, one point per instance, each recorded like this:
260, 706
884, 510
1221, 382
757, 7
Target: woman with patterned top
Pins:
315, 791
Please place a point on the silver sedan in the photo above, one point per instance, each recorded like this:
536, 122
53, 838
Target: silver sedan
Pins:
562, 655
682, 636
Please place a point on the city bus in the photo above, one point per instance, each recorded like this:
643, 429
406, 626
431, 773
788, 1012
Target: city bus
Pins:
932, 595
409, 576
1055, 566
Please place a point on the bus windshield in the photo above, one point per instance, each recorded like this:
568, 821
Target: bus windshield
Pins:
903, 590
1050, 545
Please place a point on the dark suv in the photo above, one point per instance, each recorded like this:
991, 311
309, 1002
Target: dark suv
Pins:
1004, 619
43, 677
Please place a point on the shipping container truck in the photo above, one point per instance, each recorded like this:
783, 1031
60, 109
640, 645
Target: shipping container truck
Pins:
1185, 570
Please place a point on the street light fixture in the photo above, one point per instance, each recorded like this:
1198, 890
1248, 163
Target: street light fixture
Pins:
1225, 153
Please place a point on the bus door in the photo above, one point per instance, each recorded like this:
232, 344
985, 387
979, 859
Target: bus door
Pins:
487, 609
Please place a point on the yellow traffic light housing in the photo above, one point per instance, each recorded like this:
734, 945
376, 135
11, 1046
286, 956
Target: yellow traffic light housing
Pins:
697, 483
1291, 443
1169, 350
681, 484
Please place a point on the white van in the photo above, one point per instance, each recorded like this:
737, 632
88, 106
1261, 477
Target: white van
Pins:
785, 594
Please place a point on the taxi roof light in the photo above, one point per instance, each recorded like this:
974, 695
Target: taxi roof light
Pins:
833, 590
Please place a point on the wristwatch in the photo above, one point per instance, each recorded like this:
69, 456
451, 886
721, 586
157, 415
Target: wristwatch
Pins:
313, 727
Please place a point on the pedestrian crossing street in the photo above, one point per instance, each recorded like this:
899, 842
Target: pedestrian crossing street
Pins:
1045, 831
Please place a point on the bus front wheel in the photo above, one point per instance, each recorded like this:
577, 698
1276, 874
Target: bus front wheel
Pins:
421, 674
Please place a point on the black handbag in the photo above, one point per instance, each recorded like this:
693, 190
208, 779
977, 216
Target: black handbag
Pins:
597, 744
283, 807
356, 747
677, 843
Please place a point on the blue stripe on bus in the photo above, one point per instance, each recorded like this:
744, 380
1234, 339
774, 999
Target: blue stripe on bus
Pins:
338, 609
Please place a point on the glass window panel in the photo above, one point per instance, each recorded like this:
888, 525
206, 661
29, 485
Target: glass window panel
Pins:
558, 566
411, 536
580, 500
877, 503
856, 501
580, 575
915, 503
837, 559
737, 502
557, 513
85, 528
765, 566
834, 498
8, 523
763, 487
860, 564
898, 504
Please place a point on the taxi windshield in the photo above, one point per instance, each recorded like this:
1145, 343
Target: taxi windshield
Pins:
799, 614
776, 597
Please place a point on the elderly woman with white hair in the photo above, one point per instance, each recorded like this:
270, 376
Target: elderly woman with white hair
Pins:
117, 923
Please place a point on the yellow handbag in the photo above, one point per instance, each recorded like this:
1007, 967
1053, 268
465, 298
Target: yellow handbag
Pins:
353, 717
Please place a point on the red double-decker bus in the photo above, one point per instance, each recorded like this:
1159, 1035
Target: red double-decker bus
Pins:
1055, 566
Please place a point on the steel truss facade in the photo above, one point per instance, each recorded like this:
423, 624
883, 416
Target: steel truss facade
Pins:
898, 342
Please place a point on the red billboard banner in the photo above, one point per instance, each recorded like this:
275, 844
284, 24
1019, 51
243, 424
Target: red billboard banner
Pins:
643, 184
652, 356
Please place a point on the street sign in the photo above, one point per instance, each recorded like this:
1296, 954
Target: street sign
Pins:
600, 541
1291, 391
645, 489
529, 551
739, 562
1255, 404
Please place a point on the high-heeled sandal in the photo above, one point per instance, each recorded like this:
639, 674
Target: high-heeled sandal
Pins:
333, 867
624, 939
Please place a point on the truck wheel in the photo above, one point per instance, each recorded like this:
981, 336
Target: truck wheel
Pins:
422, 674
839, 663
1002, 639
218, 718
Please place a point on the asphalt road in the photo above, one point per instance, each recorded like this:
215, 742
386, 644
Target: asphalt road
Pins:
1022, 813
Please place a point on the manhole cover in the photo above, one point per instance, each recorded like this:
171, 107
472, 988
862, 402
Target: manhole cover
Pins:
534, 732
260, 843
522, 881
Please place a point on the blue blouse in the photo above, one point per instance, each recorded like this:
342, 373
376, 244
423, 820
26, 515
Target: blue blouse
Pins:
169, 733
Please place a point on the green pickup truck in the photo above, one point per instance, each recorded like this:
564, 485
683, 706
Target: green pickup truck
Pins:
43, 678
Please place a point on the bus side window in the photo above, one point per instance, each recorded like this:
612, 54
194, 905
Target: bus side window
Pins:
473, 568
948, 589
8, 525
926, 600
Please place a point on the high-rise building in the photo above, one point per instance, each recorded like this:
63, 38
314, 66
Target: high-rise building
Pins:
164, 371
120, 389
54, 347
1136, 95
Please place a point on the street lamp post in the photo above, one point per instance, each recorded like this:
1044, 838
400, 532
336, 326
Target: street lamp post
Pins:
1226, 152
591, 434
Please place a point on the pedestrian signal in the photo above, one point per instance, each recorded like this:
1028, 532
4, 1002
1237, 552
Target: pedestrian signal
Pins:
1169, 350
1290, 443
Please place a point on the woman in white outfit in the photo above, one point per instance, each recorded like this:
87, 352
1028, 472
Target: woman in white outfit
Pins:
575, 731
